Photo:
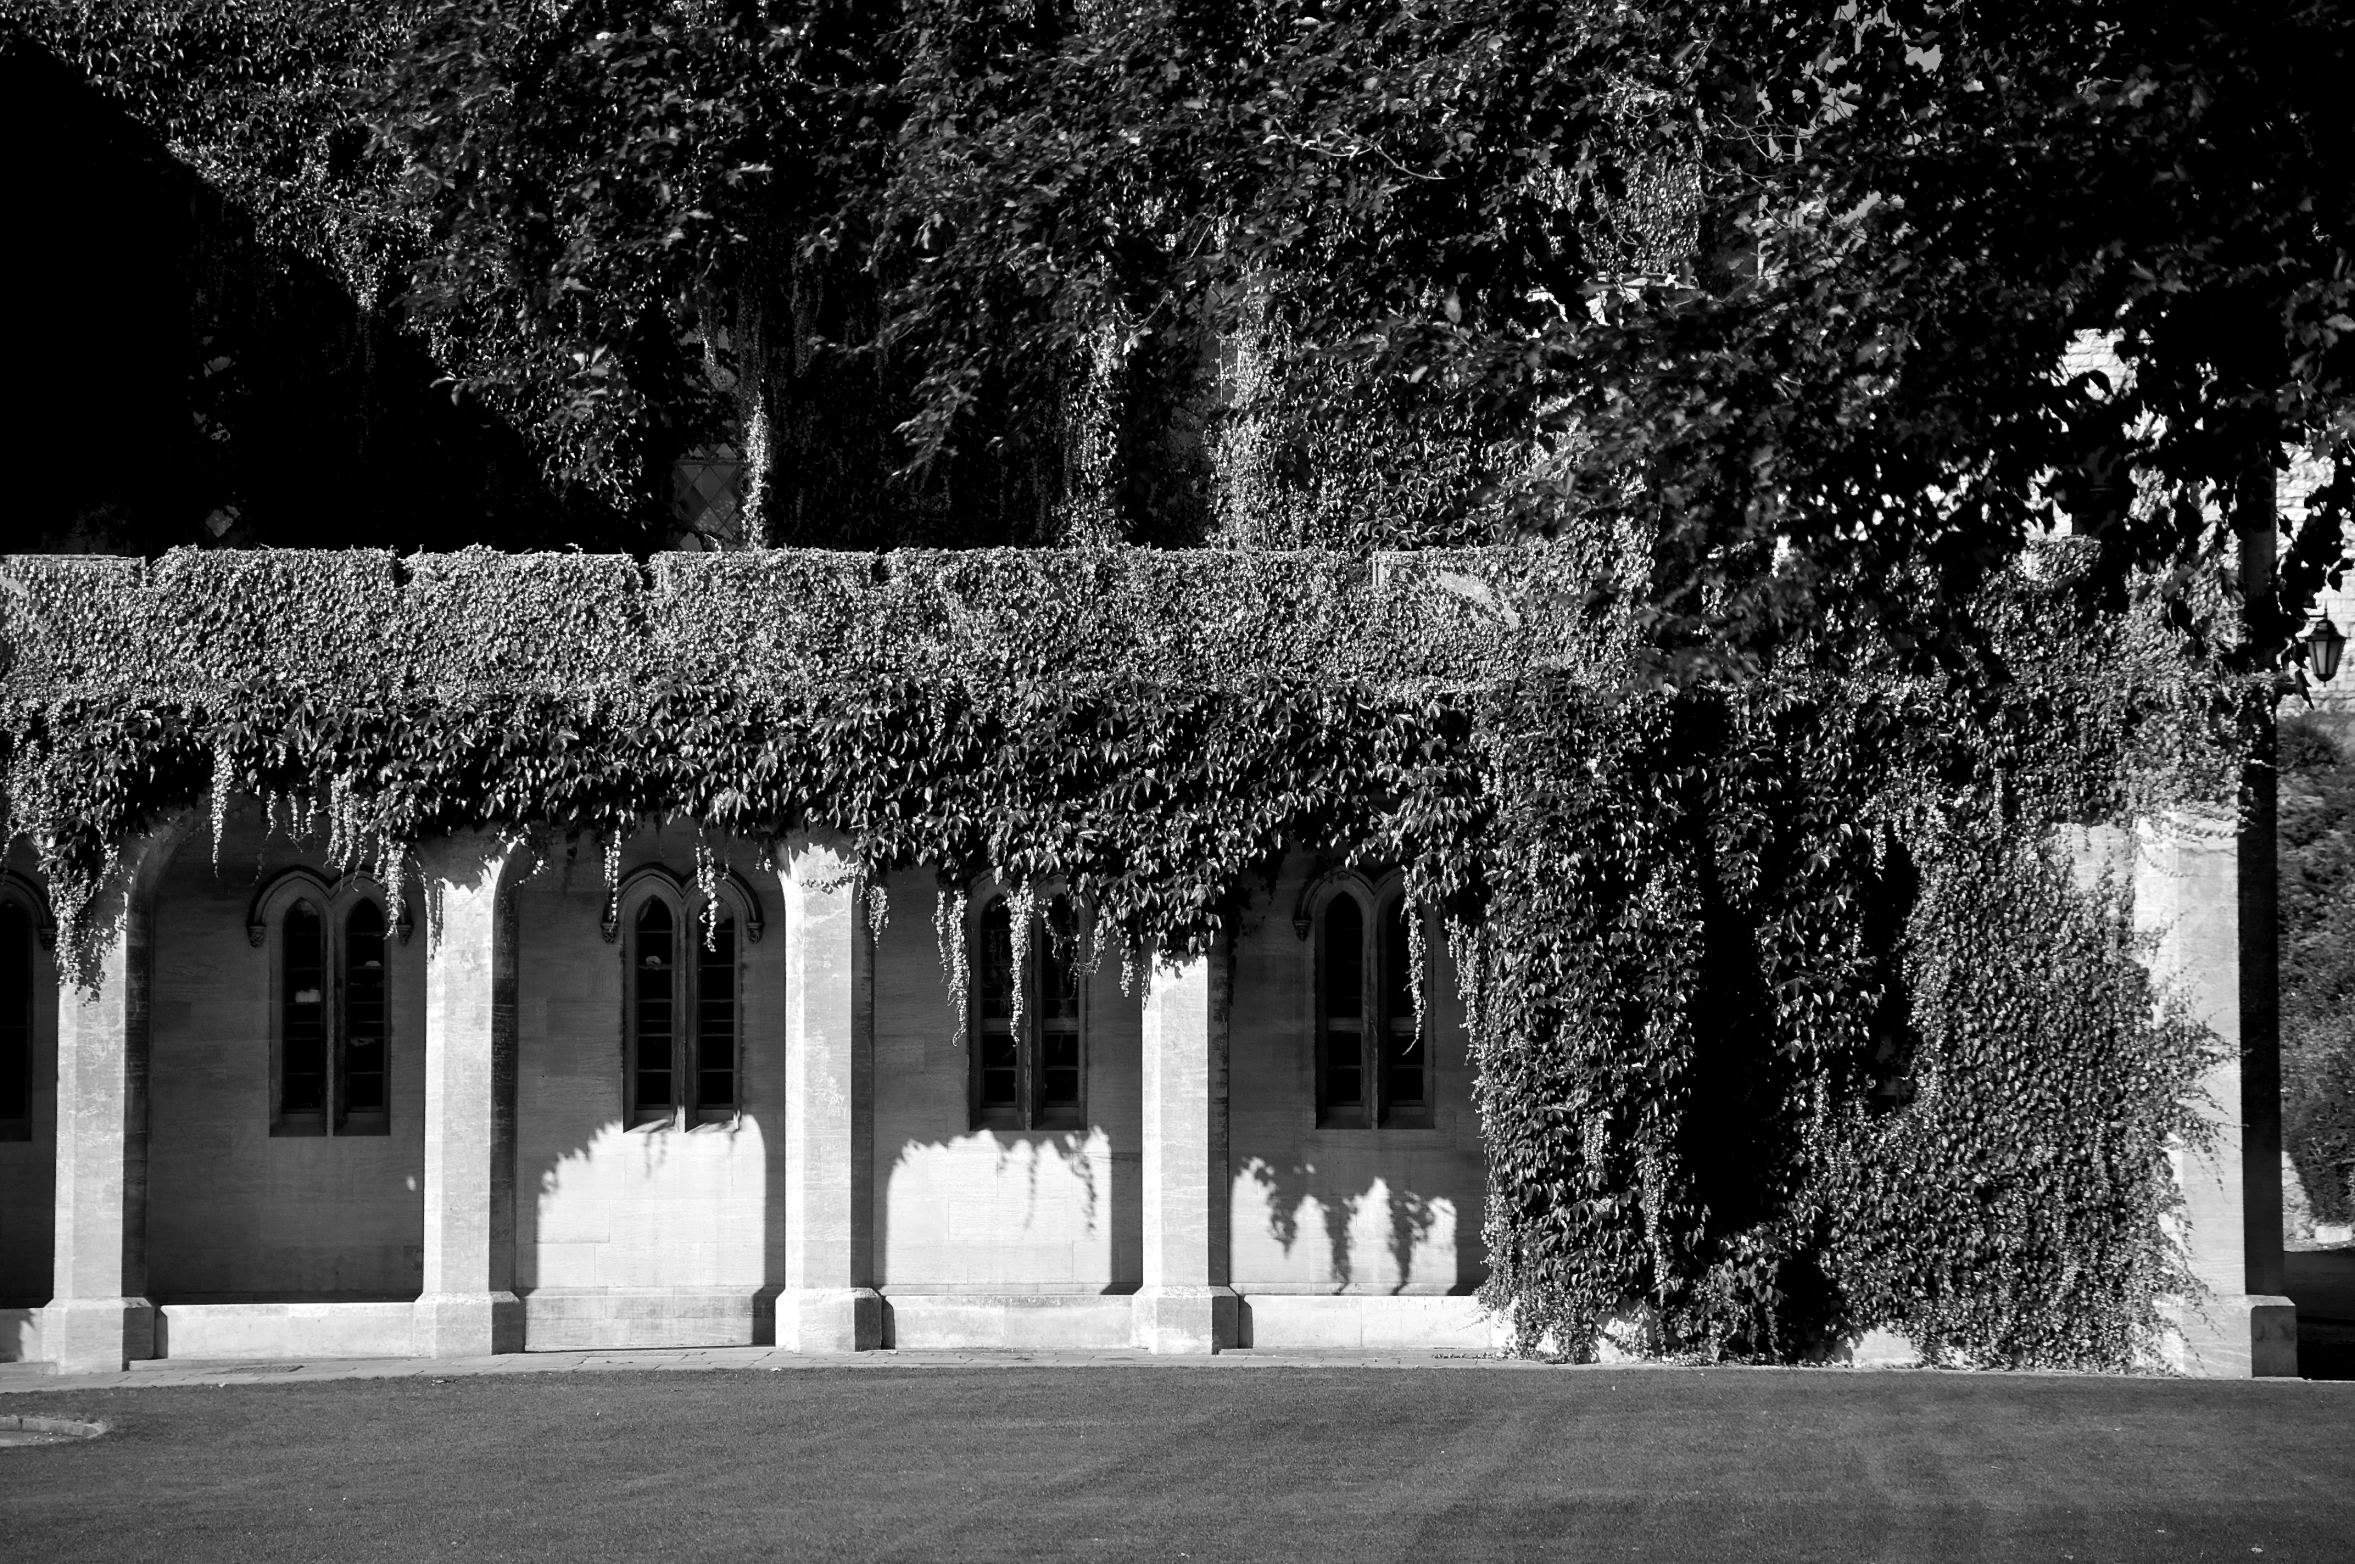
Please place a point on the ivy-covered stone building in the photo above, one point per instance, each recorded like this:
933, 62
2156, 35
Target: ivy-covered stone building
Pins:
472, 953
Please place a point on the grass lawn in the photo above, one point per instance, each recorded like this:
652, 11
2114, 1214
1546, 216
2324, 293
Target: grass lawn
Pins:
1203, 1463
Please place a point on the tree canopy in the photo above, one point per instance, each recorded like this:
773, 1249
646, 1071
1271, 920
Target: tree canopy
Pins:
1782, 296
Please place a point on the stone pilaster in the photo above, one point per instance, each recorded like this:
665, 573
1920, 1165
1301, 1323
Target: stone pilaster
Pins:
2188, 898
827, 1304
468, 1307
99, 1317
1185, 1303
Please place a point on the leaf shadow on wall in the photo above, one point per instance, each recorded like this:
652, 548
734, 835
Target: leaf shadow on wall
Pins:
1291, 1186
1107, 1210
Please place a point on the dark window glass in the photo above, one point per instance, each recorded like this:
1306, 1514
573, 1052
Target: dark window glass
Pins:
715, 1018
1403, 1056
654, 972
1000, 1064
1058, 1016
16, 1015
1342, 967
303, 1014
363, 1010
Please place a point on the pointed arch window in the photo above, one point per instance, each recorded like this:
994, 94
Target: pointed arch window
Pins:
17, 983
1341, 1063
331, 1020
302, 1018
1029, 1020
654, 1010
366, 1049
1372, 1064
1405, 1074
683, 999
716, 1017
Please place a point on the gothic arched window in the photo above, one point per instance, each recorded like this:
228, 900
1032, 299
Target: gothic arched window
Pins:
302, 1018
17, 983
1372, 1065
715, 1017
654, 1011
1029, 1025
331, 1020
684, 1000
1405, 1064
366, 1011
1341, 1032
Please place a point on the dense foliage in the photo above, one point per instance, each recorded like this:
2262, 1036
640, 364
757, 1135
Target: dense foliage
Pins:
1782, 289
1789, 1016
200, 383
1792, 1018
1790, 1034
2318, 967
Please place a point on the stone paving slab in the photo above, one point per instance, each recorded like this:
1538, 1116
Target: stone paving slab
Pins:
246, 1371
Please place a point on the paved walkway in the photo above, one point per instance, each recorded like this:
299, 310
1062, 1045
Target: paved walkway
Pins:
2323, 1284
241, 1371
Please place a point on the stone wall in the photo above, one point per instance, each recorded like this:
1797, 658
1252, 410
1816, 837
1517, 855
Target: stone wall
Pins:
262, 1243
961, 1211
1385, 1211
235, 1212
646, 1235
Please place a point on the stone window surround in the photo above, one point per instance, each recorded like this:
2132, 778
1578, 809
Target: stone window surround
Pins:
984, 894
658, 882
1375, 897
266, 928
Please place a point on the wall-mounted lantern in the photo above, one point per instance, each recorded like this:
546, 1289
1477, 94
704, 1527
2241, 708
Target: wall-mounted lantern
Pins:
2323, 643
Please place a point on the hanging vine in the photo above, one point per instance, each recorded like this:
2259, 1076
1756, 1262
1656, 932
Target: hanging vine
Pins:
1021, 912
1707, 940
948, 928
878, 908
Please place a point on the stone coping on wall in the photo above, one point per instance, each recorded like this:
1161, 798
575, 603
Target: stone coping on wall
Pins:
198, 621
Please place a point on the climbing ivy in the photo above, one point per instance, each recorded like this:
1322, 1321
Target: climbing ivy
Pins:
1790, 1016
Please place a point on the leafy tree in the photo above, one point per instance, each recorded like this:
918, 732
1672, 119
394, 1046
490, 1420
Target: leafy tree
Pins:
1777, 293
198, 380
1785, 291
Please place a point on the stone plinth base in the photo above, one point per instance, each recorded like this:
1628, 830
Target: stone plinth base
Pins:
1362, 1322
831, 1319
1043, 1322
562, 1319
2236, 1336
286, 1330
468, 1324
97, 1335
1188, 1319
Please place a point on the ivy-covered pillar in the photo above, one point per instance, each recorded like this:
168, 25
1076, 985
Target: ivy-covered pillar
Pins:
2188, 900
1185, 1303
827, 1304
99, 1317
468, 1307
